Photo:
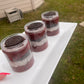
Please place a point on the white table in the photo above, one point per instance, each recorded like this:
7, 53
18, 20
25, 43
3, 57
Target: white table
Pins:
45, 61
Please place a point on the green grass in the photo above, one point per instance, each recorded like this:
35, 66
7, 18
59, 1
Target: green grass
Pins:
70, 69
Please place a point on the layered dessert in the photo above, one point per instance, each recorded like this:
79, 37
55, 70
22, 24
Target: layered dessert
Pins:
17, 49
51, 19
36, 31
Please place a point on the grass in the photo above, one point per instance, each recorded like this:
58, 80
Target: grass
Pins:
70, 69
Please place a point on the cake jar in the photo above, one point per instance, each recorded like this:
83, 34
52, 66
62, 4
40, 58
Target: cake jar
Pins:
36, 32
16, 47
51, 19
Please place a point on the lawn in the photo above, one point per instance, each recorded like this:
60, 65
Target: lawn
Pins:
70, 69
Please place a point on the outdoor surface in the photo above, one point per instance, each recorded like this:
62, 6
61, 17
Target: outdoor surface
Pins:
70, 69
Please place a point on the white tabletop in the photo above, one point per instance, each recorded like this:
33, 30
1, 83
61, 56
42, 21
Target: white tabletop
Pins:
45, 61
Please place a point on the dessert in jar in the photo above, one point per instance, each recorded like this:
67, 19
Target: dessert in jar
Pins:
36, 31
17, 50
51, 19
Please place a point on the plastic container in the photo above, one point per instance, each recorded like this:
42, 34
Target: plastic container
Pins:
51, 19
36, 31
17, 49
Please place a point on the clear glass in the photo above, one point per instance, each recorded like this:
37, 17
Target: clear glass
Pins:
19, 56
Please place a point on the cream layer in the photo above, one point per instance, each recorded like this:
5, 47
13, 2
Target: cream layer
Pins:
22, 62
53, 28
35, 44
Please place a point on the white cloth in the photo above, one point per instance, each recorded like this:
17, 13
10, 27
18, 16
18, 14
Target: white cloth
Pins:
45, 61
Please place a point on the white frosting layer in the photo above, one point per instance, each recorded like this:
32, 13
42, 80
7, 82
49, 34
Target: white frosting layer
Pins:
35, 44
53, 28
22, 62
